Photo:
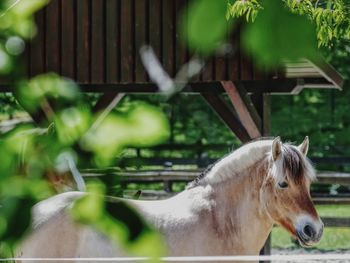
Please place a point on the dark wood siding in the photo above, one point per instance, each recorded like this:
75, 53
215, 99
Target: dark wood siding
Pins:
82, 51
141, 37
98, 42
68, 58
53, 37
112, 48
37, 48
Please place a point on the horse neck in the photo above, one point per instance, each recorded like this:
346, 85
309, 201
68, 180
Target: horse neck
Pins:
238, 213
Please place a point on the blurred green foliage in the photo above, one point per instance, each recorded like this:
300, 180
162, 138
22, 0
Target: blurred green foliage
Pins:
204, 25
29, 153
70, 128
290, 36
141, 126
16, 24
16, 17
291, 29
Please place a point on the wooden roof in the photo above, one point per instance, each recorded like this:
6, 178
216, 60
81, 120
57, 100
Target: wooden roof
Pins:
314, 73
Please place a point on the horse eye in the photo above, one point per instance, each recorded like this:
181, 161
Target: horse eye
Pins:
283, 185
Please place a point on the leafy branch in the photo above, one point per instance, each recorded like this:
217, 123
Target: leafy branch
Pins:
240, 8
331, 18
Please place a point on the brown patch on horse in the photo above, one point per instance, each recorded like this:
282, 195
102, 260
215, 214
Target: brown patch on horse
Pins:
308, 205
287, 224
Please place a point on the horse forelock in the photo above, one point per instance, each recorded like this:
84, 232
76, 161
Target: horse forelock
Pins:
295, 165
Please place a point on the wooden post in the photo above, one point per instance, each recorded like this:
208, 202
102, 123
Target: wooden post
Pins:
167, 186
262, 103
266, 250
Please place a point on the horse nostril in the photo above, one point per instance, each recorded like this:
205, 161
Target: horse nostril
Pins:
309, 231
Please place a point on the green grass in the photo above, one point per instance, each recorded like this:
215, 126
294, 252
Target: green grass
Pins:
333, 210
333, 238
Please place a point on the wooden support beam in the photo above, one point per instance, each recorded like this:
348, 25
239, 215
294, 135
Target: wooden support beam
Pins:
105, 105
273, 86
244, 108
266, 114
41, 116
38, 117
106, 100
262, 103
227, 115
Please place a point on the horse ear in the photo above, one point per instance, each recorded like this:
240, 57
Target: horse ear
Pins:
276, 148
304, 147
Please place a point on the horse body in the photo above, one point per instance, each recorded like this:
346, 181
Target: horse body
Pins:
200, 221
229, 211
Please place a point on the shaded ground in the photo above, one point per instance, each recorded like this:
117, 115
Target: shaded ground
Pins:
298, 251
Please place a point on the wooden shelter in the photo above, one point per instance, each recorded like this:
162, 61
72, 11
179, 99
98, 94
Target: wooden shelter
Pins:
97, 42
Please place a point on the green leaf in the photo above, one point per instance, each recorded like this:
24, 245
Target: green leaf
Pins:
16, 212
278, 34
5, 61
90, 208
144, 125
17, 197
46, 86
71, 123
26, 8
204, 25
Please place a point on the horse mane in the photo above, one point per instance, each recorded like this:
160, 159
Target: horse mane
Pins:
249, 154
235, 162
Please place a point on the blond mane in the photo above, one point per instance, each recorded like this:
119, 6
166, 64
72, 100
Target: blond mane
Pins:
238, 161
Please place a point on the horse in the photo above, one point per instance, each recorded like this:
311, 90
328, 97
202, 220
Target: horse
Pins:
228, 210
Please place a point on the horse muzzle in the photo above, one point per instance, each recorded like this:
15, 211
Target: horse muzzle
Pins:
309, 232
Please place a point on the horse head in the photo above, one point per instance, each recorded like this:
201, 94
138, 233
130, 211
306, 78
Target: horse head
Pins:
285, 193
